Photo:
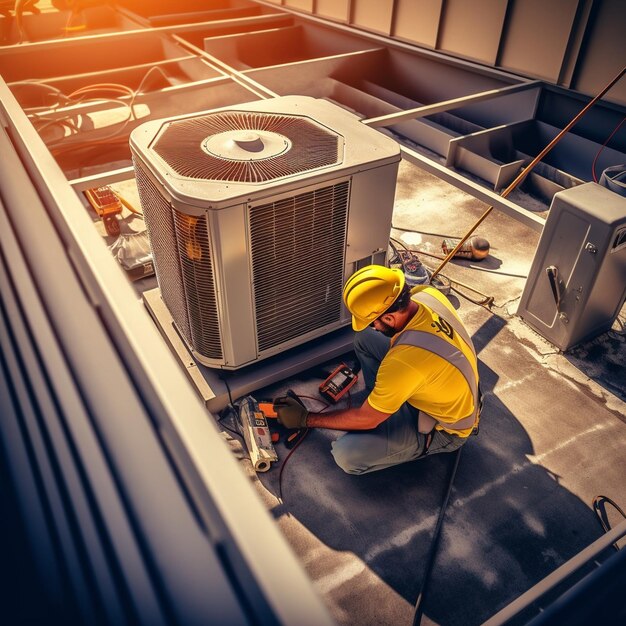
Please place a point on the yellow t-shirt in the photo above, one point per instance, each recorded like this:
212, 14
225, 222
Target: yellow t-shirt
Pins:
423, 379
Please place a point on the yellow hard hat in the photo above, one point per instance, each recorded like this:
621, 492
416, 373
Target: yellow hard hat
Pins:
370, 291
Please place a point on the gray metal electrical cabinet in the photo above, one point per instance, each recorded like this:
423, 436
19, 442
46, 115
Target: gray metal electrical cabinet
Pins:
577, 281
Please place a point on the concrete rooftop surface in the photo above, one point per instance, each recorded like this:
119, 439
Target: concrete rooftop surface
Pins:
120, 503
552, 437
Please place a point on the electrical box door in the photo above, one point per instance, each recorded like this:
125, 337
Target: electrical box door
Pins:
577, 281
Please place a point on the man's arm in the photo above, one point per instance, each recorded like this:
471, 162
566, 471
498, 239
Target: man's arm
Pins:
362, 418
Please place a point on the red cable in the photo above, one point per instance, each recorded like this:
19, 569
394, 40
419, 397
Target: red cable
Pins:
593, 165
282, 467
306, 432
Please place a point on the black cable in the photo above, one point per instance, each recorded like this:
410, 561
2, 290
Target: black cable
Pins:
220, 421
400, 243
232, 407
395, 250
601, 513
406, 256
444, 281
418, 611
404, 247
230, 397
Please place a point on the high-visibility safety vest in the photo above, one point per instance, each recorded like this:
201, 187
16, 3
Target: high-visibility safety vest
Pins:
439, 346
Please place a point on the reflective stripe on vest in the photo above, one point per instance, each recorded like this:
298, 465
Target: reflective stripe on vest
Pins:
447, 351
442, 311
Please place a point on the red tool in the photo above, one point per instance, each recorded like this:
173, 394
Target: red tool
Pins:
338, 383
107, 205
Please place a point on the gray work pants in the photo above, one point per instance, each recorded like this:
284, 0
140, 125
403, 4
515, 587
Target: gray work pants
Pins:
397, 439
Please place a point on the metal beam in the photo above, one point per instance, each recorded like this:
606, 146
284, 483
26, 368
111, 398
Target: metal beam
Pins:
447, 105
557, 576
104, 178
242, 79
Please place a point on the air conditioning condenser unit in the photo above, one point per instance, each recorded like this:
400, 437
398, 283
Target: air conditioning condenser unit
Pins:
257, 214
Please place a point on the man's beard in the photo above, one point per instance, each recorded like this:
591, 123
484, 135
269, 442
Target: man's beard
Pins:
388, 331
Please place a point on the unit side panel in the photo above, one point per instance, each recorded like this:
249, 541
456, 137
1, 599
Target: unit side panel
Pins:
371, 208
560, 246
231, 242
160, 227
198, 267
604, 298
605, 292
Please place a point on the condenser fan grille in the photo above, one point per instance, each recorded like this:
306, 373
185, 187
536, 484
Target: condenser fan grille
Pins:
297, 260
210, 147
158, 217
196, 263
184, 267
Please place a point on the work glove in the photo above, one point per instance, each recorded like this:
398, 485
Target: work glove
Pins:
291, 412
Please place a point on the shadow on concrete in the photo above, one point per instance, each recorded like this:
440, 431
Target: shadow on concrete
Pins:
603, 359
509, 523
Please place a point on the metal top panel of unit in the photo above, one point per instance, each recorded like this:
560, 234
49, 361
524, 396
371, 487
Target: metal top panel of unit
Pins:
595, 201
212, 158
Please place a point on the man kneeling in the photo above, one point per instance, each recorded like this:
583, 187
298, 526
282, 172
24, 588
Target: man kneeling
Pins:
420, 370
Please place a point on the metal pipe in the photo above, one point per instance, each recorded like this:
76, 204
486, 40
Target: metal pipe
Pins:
447, 105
